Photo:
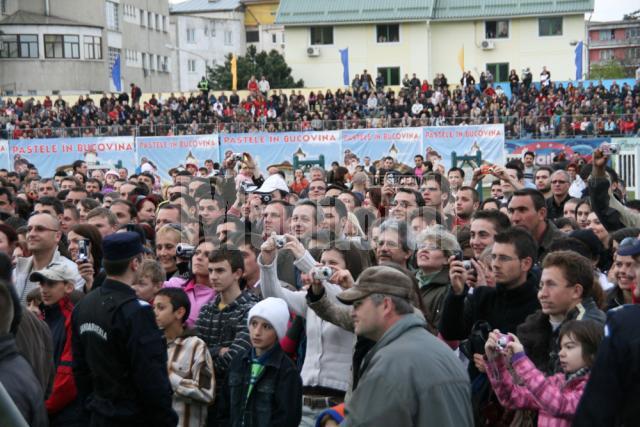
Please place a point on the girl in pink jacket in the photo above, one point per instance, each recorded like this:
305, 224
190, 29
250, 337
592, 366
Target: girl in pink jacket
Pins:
522, 386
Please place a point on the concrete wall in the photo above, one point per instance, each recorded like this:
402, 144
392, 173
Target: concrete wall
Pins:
364, 53
54, 74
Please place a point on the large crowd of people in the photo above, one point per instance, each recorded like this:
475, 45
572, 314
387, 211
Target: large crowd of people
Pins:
531, 110
390, 294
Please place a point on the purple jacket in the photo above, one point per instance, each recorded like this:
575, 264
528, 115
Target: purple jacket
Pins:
198, 294
555, 398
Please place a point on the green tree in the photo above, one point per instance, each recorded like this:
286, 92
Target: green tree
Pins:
272, 65
608, 70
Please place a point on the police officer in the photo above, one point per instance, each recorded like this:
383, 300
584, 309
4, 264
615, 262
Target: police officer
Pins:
120, 356
203, 85
612, 395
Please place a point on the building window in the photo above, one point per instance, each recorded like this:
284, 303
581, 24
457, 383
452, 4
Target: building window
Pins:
164, 23
113, 20
496, 29
632, 33
191, 35
144, 61
500, 71
388, 33
253, 36
61, 46
321, 35
604, 35
391, 75
143, 18
606, 55
191, 65
550, 26
274, 38
164, 66
228, 38
633, 53
158, 22
92, 47
3, 7
212, 29
19, 46
150, 20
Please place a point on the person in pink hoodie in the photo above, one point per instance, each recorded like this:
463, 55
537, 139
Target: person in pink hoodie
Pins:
196, 286
556, 397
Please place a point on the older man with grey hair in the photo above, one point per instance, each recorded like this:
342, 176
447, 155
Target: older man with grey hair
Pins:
409, 377
560, 183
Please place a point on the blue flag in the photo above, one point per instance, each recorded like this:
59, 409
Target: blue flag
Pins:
115, 73
344, 57
579, 61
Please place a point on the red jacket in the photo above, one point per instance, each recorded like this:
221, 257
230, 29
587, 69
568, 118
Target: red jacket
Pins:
64, 386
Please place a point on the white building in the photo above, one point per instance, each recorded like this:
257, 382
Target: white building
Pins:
203, 33
426, 36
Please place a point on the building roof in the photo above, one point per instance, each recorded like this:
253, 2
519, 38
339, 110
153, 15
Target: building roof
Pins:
27, 18
199, 6
304, 12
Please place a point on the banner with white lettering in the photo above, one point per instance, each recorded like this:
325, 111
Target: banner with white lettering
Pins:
402, 143
4, 154
54, 153
280, 148
466, 141
167, 152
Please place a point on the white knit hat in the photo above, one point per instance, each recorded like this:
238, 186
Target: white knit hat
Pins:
274, 311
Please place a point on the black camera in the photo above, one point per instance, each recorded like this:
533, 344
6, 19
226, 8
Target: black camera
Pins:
185, 250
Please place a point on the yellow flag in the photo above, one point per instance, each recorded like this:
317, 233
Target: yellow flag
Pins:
461, 58
234, 72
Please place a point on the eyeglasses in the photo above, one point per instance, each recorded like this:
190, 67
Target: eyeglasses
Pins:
40, 229
559, 182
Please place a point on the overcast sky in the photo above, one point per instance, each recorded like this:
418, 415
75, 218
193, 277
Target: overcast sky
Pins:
605, 10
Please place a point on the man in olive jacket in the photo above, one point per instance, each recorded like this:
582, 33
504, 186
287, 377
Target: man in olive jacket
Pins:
409, 377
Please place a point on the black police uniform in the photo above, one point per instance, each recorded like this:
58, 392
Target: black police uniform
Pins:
612, 395
120, 359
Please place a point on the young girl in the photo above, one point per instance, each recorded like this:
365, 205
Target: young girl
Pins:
555, 397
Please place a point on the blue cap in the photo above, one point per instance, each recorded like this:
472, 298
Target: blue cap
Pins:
629, 246
121, 246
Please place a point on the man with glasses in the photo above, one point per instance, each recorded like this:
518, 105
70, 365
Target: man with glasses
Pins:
504, 307
560, 183
404, 203
317, 189
43, 236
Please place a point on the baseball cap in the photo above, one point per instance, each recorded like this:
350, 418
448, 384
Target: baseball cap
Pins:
378, 280
55, 272
273, 183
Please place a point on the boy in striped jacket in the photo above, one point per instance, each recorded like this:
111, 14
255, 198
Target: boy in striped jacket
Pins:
189, 362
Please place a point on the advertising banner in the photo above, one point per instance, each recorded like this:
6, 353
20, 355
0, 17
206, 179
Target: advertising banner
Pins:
4, 154
167, 152
547, 149
52, 153
400, 143
278, 148
466, 141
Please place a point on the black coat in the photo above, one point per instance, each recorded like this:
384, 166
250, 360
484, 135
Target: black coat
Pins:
503, 309
276, 399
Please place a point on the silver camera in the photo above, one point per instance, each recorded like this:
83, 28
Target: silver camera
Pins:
280, 241
237, 157
321, 273
83, 250
609, 148
185, 250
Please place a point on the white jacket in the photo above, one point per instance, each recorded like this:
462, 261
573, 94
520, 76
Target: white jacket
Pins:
24, 268
327, 361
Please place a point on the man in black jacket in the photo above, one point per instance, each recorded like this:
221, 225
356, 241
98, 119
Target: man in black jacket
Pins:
508, 304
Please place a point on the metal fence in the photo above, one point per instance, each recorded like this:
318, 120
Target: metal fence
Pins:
527, 127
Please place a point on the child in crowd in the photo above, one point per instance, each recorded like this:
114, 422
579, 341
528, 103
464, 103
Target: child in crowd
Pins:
34, 299
189, 362
56, 285
555, 397
263, 386
150, 280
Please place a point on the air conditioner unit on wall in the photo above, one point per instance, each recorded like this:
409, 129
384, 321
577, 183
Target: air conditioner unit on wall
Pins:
313, 51
487, 45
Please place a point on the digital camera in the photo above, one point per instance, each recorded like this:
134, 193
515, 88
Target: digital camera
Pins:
503, 341
237, 157
280, 241
185, 250
83, 250
609, 148
321, 273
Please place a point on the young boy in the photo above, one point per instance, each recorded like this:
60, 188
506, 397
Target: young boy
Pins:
150, 280
34, 300
56, 285
190, 364
263, 386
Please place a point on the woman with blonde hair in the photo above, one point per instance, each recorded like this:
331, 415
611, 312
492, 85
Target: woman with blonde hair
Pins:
167, 240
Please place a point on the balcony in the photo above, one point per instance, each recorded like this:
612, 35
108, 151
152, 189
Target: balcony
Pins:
614, 42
